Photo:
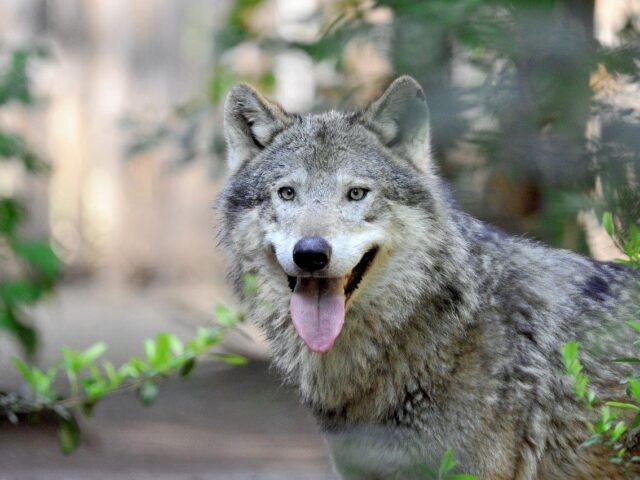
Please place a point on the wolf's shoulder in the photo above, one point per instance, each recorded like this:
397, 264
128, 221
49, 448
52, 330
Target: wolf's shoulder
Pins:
509, 265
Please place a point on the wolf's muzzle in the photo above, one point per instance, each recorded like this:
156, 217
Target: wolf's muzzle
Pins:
312, 253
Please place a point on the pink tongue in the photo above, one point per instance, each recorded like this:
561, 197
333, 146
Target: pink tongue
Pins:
317, 311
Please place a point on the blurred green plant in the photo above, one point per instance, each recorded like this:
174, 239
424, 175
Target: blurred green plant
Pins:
89, 380
517, 81
616, 433
29, 268
613, 427
526, 101
444, 472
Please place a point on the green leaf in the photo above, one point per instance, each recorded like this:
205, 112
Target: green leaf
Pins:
148, 392
634, 387
11, 321
632, 245
14, 83
618, 430
570, 356
590, 441
33, 163
24, 369
580, 385
134, 367
607, 223
225, 315
629, 406
41, 381
95, 386
88, 406
424, 469
150, 350
128, 371
68, 435
206, 337
113, 375
20, 291
11, 213
231, 358
11, 144
627, 359
92, 353
162, 351
461, 476
39, 254
175, 344
72, 364
447, 462
570, 350
187, 367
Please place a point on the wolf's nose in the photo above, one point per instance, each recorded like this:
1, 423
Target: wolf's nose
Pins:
312, 253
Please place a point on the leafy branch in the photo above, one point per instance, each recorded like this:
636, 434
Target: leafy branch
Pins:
90, 379
611, 428
629, 243
29, 268
444, 472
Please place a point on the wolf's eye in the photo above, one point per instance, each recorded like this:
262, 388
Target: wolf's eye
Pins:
287, 193
357, 193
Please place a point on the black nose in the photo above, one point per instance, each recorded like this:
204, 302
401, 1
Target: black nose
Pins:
312, 253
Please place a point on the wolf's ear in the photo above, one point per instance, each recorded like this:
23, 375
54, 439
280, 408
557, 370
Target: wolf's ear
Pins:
250, 123
400, 119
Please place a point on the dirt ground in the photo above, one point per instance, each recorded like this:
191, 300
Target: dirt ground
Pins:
222, 422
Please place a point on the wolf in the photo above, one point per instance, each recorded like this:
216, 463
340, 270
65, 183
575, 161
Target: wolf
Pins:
407, 326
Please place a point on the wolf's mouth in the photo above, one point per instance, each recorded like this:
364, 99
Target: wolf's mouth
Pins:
352, 280
358, 272
318, 304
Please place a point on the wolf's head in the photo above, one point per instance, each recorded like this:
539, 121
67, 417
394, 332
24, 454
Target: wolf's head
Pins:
337, 214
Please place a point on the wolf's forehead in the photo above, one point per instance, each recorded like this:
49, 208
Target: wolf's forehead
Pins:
328, 142
328, 130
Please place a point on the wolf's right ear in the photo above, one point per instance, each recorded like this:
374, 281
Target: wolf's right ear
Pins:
400, 119
250, 123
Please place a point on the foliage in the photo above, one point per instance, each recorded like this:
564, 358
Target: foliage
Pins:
444, 472
90, 379
628, 242
533, 94
612, 427
29, 267
517, 82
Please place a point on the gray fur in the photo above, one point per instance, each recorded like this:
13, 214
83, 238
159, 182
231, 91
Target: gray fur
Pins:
453, 337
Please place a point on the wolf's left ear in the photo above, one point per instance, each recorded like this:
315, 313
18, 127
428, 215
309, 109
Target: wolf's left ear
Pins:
250, 123
400, 119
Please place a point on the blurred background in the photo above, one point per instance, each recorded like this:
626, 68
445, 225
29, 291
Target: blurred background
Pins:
112, 153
